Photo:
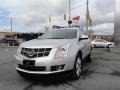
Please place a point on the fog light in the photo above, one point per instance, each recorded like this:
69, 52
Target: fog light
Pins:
57, 67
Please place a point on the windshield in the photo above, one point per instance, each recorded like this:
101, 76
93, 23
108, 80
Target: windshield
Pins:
60, 34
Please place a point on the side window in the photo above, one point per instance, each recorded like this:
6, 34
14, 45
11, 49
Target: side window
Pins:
100, 41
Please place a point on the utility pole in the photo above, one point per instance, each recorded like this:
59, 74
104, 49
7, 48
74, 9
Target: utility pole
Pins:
11, 30
87, 16
69, 21
11, 27
69, 10
90, 23
117, 23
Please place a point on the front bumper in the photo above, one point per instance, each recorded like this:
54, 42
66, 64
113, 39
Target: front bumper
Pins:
46, 62
46, 76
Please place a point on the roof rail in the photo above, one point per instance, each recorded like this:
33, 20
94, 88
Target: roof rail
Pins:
57, 27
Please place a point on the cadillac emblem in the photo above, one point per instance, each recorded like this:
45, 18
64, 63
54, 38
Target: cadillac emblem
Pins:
31, 52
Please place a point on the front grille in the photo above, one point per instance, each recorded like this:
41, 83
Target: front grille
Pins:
35, 52
32, 68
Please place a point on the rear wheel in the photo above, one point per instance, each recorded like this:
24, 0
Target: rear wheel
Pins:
77, 68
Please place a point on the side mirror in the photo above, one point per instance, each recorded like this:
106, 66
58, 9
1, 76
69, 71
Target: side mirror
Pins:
83, 37
39, 37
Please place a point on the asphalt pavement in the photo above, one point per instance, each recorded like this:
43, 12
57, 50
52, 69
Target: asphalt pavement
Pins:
103, 73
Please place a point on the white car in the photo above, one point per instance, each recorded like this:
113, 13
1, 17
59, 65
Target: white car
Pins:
57, 51
101, 43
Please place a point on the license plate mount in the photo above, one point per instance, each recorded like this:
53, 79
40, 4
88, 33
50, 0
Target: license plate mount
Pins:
29, 63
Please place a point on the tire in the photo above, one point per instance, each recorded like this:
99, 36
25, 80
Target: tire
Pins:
108, 46
77, 68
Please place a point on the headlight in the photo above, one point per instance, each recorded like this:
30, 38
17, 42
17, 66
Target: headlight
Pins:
19, 50
62, 51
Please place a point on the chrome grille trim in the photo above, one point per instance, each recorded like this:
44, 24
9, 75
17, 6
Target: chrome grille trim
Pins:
38, 52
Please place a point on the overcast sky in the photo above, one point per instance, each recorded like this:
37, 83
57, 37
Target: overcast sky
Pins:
32, 15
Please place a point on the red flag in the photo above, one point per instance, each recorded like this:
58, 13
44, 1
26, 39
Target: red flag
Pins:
76, 18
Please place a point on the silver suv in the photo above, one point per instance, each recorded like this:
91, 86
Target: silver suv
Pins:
57, 51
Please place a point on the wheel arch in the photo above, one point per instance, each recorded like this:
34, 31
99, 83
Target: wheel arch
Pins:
79, 53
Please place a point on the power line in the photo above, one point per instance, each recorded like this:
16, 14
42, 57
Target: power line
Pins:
72, 8
79, 5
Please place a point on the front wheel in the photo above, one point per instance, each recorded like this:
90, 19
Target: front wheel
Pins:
77, 68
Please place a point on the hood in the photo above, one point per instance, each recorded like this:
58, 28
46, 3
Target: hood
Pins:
45, 43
